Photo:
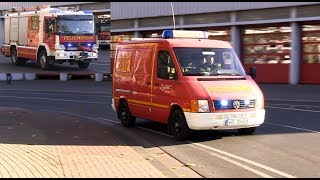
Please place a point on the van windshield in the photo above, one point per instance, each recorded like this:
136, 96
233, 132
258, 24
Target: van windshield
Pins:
208, 62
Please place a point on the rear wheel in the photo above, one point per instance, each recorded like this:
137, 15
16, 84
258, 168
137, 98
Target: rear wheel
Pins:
124, 114
178, 126
247, 131
15, 59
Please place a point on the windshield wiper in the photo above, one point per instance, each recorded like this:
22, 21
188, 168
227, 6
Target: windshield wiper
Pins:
88, 34
225, 74
193, 74
69, 33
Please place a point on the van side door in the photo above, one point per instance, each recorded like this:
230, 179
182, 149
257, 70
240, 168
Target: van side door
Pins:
164, 85
141, 80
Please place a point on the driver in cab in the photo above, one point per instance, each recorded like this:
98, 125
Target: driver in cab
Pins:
208, 64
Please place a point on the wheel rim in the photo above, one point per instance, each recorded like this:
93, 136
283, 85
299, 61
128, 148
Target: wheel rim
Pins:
14, 56
123, 115
176, 125
42, 61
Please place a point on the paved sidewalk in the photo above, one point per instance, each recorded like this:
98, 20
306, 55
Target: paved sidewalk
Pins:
38, 144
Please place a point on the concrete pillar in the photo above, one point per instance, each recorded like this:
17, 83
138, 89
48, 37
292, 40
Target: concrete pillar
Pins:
137, 34
1, 31
235, 35
64, 77
295, 53
3, 76
17, 76
236, 39
29, 76
180, 21
99, 76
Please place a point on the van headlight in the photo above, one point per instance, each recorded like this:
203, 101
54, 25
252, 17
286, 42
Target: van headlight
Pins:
200, 106
260, 103
95, 47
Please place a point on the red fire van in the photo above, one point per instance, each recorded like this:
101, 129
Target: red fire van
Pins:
186, 81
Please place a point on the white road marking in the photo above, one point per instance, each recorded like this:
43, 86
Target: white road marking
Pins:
61, 94
240, 165
295, 109
49, 99
293, 100
244, 159
100, 64
154, 131
80, 92
293, 127
303, 105
109, 120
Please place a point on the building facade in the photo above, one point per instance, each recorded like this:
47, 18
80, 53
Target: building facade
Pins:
281, 39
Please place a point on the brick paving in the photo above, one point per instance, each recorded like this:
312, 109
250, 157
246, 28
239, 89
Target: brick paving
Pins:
42, 145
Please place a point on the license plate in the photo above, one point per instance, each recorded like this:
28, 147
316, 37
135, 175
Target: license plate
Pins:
232, 122
84, 54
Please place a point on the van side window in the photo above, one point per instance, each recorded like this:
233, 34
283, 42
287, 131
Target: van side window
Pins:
165, 66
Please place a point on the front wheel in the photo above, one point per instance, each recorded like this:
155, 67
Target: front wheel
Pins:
43, 60
178, 126
83, 64
124, 114
247, 131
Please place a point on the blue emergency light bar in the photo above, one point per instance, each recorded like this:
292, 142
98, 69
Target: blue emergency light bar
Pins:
167, 34
87, 12
55, 11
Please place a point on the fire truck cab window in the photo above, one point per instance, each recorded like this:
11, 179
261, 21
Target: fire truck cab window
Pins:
50, 25
75, 25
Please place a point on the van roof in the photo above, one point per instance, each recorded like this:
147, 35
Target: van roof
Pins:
203, 43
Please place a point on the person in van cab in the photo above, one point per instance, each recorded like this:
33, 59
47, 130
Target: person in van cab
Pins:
227, 60
209, 65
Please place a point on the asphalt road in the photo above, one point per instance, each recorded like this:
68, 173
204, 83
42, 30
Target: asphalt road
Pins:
102, 65
286, 145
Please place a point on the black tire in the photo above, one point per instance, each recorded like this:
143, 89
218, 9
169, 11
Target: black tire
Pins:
43, 60
124, 114
15, 59
247, 131
83, 64
178, 126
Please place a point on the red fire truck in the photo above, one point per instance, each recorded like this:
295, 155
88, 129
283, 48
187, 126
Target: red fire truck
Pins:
50, 35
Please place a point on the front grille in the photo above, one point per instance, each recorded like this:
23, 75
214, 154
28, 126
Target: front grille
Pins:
77, 45
231, 104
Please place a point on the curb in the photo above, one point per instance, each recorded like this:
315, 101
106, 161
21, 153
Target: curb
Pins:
54, 76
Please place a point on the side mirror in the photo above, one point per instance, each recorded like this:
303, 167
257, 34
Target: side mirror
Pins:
175, 76
253, 72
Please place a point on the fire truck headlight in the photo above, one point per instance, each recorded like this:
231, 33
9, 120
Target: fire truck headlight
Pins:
60, 46
95, 46
94, 54
62, 54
